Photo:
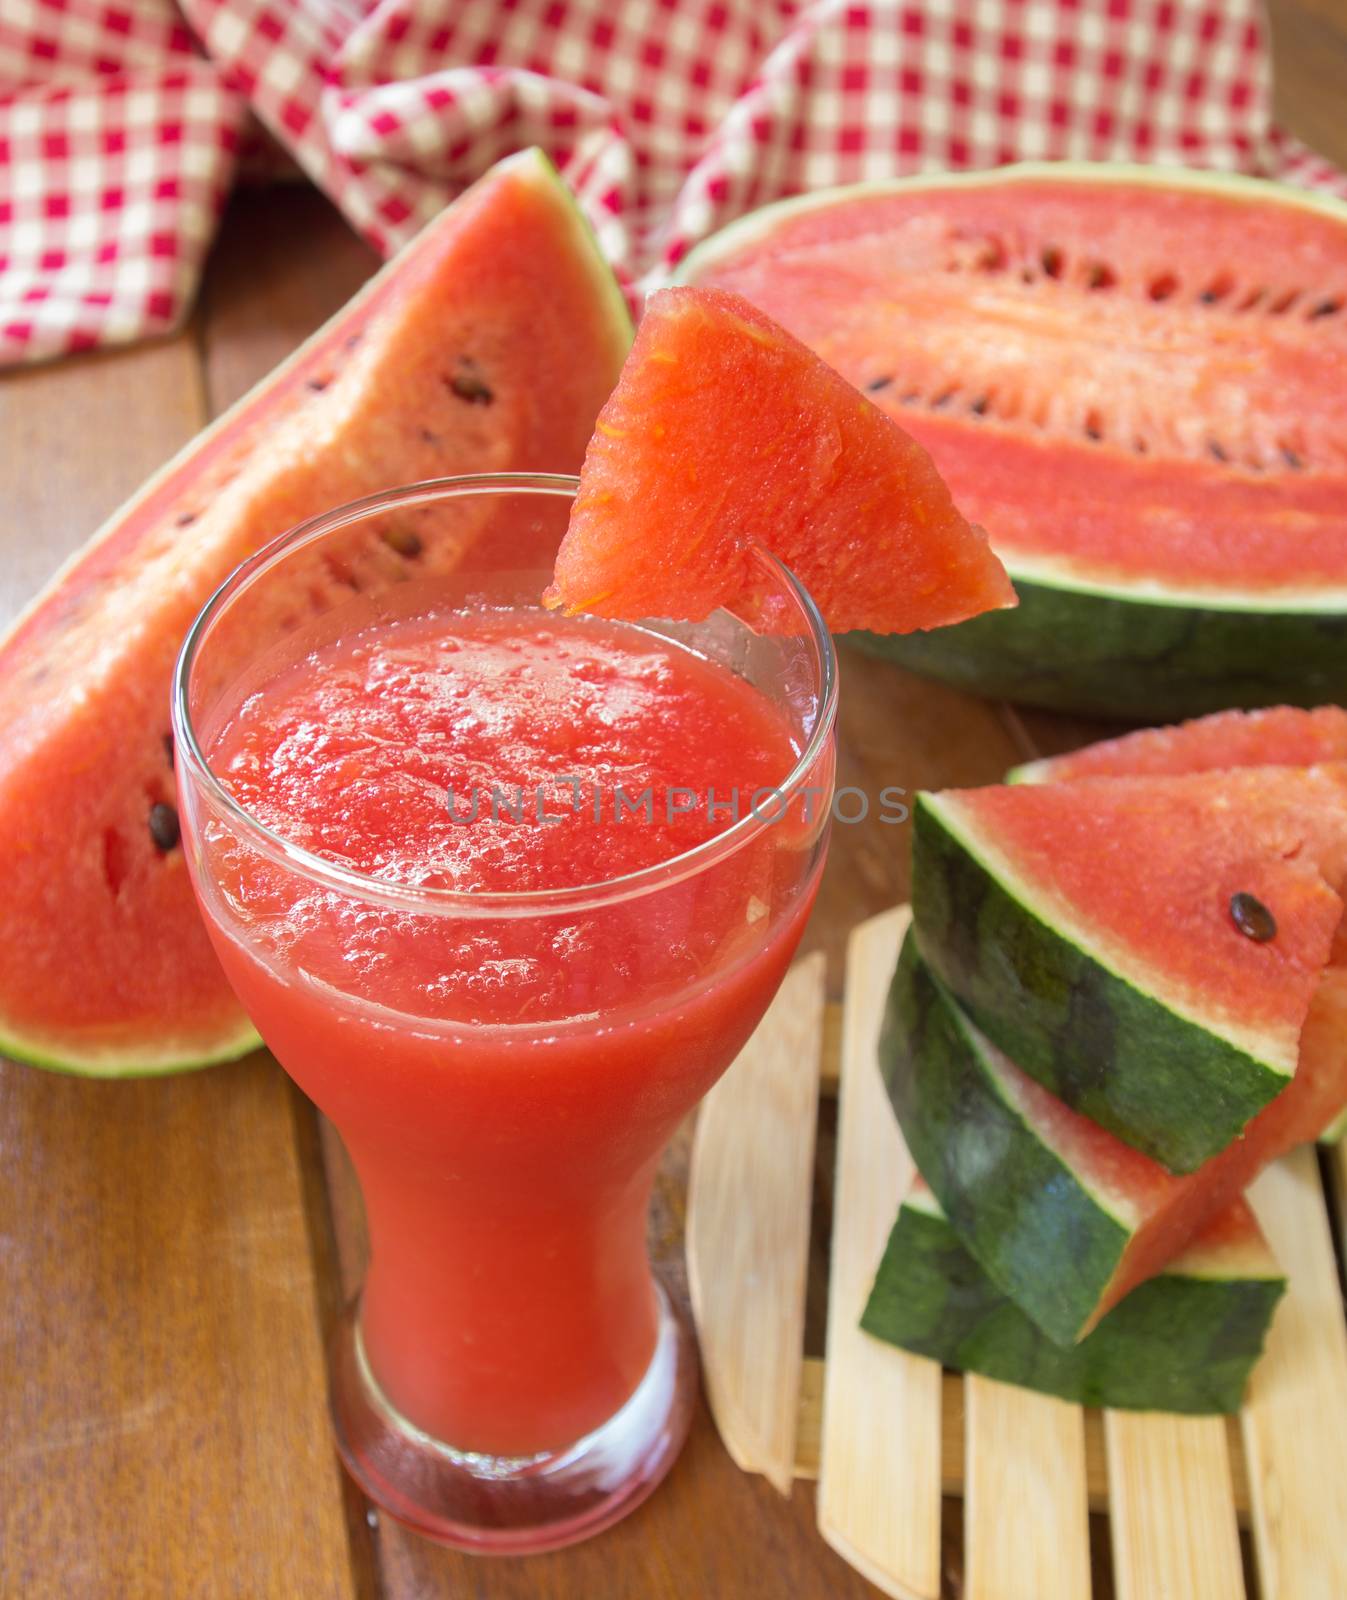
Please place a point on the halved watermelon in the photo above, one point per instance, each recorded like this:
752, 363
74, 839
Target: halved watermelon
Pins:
1062, 1216
488, 344
1147, 948
1135, 379
723, 431
1184, 1341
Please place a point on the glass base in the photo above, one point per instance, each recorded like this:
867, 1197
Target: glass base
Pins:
513, 1505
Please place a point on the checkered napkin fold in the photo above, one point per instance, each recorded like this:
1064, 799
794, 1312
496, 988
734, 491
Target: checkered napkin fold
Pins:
122, 121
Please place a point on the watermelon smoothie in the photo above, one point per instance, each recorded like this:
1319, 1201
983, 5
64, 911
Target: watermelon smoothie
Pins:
476, 874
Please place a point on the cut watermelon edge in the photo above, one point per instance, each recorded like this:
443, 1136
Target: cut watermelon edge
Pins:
756, 224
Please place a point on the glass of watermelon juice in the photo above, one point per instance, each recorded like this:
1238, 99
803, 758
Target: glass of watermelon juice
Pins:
415, 815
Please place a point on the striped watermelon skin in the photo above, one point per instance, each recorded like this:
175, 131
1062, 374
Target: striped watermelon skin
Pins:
1186, 1341
1064, 1218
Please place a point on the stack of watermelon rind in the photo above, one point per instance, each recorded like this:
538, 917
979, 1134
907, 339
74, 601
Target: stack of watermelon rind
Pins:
1090, 1065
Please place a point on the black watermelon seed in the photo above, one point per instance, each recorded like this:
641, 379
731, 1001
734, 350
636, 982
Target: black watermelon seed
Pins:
164, 829
406, 541
187, 519
876, 384
468, 384
168, 748
1252, 917
317, 385
1217, 451
1292, 460
427, 437
979, 406
1325, 308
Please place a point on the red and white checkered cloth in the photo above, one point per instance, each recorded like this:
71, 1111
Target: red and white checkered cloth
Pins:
121, 121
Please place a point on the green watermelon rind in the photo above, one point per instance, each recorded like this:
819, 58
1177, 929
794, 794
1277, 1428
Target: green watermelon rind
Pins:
1160, 1080
119, 1063
1107, 646
1132, 652
1037, 1228
153, 1059
1184, 1341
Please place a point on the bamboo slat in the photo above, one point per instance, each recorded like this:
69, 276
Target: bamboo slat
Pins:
748, 1228
879, 1468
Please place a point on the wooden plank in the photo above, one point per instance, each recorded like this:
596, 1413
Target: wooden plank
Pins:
75, 440
1293, 1419
1026, 1517
809, 1430
1309, 50
879, 1469
748, 1207
1171, 1508
162, 1388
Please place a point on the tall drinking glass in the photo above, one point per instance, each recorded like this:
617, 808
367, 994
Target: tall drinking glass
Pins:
504, 1066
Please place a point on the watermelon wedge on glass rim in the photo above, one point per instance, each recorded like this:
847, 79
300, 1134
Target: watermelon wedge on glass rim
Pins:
1062, 1216
1161, 952
1134, 378
105, 967
724, 431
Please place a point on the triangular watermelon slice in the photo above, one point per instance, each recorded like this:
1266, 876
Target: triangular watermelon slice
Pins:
488, 344
1147, 948
724, 430
1062, 1216
1185, 1341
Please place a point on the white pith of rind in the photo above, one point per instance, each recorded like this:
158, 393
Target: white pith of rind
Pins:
124, 1062
1249, 1258
1148, 979
1055, 573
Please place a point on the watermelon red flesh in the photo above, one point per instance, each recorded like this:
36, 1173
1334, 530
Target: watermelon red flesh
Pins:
1281, 736
1117, 378
1088, 930
724, 431
489, 344
1064, 1217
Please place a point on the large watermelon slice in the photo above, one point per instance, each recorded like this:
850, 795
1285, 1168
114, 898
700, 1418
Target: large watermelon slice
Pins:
1135, 379
488, 344
1184, 1341
1148, 948
1062, 1216
724, 431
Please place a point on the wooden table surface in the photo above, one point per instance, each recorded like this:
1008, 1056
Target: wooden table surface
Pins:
174, 1251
